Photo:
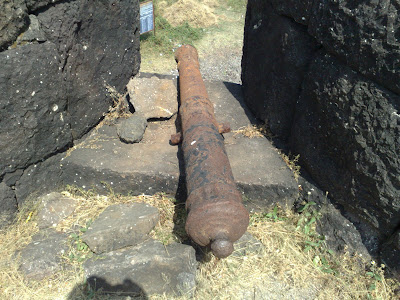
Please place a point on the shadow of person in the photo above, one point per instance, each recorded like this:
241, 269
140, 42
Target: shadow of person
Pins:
97, 288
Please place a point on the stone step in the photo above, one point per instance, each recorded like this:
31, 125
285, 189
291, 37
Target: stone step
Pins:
153, 165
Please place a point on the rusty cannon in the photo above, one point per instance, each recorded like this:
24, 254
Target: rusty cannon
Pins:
216, 215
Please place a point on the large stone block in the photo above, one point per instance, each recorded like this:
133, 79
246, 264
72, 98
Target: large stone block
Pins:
298, 10
55, 81
276, 54
365, 34
40, 178
99, 45
347, 132
33, 106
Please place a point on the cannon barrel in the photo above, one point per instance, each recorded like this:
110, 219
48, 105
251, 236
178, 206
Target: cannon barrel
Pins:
216, 215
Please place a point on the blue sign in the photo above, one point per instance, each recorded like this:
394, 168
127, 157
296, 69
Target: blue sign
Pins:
146, 17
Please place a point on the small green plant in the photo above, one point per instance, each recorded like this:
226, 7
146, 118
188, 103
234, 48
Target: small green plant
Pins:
375, 275
323, 257
308, 217
274, 215
79, 250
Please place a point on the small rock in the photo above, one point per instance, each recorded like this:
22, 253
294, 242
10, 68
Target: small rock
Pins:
34, 32
8, 205
42, 257
121, 225
11, 178
247, 244
131, 130
55, 208
149, 268
154, 97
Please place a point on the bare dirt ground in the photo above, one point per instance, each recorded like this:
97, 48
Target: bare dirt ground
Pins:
220, 49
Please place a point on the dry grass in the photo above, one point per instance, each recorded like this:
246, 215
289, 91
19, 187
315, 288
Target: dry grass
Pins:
195, 13
293, 263
283, 270
253, 131
119, 109
90, 205
292, 161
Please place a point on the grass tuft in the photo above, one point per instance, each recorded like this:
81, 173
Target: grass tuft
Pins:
253, 131
292, 161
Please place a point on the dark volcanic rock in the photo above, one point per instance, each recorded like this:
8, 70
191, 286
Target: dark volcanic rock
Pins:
365, 34
272, 78
11, 178
34, 5
42, 257
8, 205
13, 20
54, 91
33, 34
131, 130
347, 131
32, 101
121, 225
38, 179
298, 10
390, 253
99, 44
149, 268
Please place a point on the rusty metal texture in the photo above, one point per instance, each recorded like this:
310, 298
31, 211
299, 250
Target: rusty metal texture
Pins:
216, 215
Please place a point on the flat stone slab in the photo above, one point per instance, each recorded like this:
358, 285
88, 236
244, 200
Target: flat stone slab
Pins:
149, 268
153, 165
121, 225
54, 208
154, 97
43, 256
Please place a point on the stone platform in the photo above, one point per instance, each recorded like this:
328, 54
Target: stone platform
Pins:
154, 165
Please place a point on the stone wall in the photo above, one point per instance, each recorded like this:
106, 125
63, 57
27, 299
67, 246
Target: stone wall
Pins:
325, 76
57, 59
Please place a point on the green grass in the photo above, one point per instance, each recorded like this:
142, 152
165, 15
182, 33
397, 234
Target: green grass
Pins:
167, 38
237, 5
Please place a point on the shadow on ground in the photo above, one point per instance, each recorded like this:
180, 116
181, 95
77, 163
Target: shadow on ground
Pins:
96, 287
